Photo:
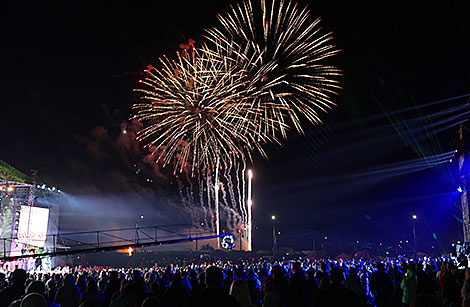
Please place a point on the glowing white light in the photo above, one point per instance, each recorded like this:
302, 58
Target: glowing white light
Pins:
273, 217
32, 227
250, 217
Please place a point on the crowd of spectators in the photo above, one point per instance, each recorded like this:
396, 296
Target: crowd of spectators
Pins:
381, 282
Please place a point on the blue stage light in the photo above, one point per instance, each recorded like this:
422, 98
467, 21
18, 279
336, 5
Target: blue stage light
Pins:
459, 189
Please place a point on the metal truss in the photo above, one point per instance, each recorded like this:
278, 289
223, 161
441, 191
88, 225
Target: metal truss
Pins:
115, 239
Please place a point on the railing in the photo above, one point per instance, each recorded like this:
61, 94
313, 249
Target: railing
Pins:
112, 239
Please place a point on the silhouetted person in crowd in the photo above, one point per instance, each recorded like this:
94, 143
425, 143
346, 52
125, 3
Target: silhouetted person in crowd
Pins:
450, 289
254, 286
239, 290
409, 284
51, 290
33, 300
36, 286
113, 286
381, 286
81, 282
297, 286
311, 286
130, 296
322, 272
175, 295
213, 294
92, 296
424, 281
465, 292
16, 290
152, 301
271, 297
281, 283
68, 295
395, 275
336, 294
353, 283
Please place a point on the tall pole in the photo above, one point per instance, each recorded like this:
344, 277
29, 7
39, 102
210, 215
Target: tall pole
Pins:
31, 199
463, 194
274, 236
249, 203
217, 221
314, 242
414, 232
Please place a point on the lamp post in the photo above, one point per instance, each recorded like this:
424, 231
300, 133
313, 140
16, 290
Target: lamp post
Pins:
273, 218
414, 231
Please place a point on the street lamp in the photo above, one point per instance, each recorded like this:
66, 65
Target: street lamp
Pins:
273, 218
414, 232
137, 239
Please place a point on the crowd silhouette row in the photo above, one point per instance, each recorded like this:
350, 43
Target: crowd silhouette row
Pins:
382, 282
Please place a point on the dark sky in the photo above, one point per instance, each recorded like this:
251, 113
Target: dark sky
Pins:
68, 71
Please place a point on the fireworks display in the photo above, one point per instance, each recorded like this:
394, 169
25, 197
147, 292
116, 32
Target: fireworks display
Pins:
261, 74
206, 111
282, 53
190, 111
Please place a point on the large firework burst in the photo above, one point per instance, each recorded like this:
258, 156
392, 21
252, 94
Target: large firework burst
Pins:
263, 72
191, 110
282, 54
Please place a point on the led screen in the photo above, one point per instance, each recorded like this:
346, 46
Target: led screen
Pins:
32, 227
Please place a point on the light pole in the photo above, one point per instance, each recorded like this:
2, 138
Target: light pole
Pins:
273, 218
137, 238
314, 243
414, 231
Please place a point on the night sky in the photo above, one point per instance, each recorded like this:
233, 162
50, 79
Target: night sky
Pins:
67, 77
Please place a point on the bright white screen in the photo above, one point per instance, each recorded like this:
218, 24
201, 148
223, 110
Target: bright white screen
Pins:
33, 220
